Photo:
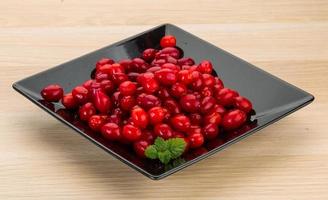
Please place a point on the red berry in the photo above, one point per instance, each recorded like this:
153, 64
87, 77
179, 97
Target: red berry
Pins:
233, 119
185, 67
127, 88
208, 80
186, 61
107, 86
197, 95
219, 109
172, 106
166, 76
102, 102
127, 102
153, 69
86, 111
216, 89
210, 131
115, 118
173, 67
80, 94
139, 65
148, 101
144, 77
148, 136
117, 111
205, 67
163, 130
195, 119
226, 96
139, 117
126, 64
149, 54
193, 68
185, 77
190, 103
178, 90
158, 62
94, 86
119, 78
100, 76
243, 104
168, 41
52, 93
207, 104
95, 122
170, 59
195, 74
104, 61
69, 102
194, 129
139, 91
111, 69
87, 84
140, 147
150, 86
170, 51
212, 118
111, 131
116, 97
133, 76
180, 122
131, 133
156, 115
207, 92
167, 116
219, 82
196, 140
163, 93
197, 83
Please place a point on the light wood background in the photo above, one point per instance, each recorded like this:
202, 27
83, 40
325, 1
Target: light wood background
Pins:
42, 159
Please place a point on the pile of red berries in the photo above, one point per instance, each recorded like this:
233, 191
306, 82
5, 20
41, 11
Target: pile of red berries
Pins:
160, 94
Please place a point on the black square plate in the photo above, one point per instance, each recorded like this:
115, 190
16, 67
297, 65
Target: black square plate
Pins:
272, 98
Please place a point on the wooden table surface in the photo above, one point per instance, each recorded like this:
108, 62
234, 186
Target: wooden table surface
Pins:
43, 159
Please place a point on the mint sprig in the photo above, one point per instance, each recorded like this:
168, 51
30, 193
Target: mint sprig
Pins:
166, 150
164, 156
160, 144
176, 146
151, 152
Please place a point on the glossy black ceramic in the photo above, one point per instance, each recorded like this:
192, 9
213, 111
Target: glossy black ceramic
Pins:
272, 97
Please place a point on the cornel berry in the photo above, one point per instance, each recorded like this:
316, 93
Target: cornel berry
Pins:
52, 93
157, 95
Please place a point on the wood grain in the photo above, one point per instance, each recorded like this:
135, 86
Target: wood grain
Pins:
43, 159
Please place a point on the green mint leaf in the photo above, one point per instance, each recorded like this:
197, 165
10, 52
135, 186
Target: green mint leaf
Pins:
166, 150
160, 144
164, 156
176, 146
151, 152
